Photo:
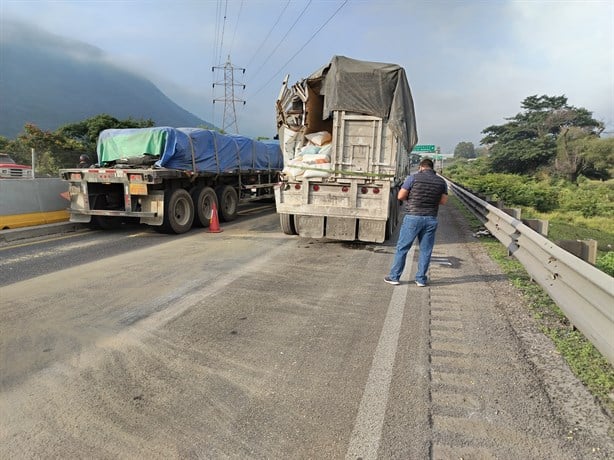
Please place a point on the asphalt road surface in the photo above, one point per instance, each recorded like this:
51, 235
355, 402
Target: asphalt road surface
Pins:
250, 344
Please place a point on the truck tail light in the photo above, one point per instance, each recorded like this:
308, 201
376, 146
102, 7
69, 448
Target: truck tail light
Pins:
376, 190
316, 188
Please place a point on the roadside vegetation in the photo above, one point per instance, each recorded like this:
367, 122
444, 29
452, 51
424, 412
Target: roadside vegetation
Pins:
551, 162
585, 361
62, 148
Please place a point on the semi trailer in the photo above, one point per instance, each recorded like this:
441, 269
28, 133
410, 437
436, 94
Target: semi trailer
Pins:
171, 178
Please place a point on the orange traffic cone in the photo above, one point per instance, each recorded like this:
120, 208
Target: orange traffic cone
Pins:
214, 223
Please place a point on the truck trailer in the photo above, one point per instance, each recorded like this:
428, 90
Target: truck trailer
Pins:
346, 133
171, 178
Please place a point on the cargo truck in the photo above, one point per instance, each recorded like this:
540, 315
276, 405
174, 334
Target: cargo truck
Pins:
346, 133
171, 178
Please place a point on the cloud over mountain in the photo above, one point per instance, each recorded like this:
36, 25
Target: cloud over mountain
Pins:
51, 80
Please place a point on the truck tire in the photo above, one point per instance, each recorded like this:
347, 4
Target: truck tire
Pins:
287, 224
178, 211
228, 201
203, 198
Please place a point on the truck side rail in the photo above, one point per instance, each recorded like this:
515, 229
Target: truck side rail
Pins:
584, 293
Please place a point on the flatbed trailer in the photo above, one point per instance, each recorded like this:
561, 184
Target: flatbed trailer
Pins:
172, 199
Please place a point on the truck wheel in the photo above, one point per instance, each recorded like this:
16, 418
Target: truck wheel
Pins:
228, 203
178, 211
203, 198
287, 224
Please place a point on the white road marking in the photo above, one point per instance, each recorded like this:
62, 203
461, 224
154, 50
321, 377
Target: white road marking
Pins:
367, 433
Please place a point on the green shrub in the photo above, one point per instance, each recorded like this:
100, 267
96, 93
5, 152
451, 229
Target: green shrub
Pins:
515, 190
605, 263
589, 198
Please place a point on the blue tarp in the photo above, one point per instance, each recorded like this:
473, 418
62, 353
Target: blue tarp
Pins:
213, 152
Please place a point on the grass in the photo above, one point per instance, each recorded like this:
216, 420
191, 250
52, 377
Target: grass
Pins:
568, 226
585, 361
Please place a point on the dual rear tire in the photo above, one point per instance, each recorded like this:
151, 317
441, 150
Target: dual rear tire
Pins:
182, 209
287, 223
204, 198
178, 212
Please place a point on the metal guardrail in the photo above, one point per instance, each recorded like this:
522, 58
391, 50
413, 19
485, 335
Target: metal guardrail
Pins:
584, 293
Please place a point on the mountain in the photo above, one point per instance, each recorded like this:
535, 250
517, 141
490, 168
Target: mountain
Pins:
51, 81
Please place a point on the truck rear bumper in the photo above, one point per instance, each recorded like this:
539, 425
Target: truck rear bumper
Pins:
352, 200
351, 211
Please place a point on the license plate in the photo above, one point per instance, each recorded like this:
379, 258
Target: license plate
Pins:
138, 189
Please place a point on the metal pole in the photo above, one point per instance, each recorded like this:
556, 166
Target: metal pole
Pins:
33, 162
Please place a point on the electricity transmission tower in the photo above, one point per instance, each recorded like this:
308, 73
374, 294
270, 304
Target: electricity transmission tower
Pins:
230, 114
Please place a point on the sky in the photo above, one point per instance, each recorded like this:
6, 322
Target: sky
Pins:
469, 63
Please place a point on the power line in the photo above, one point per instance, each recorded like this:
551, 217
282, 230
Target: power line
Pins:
301, 48
268, 34
236, 27
218, 56
282, 38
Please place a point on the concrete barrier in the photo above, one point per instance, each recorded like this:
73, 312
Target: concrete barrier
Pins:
29, 202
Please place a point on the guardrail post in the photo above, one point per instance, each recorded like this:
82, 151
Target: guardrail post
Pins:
491, 201
514, 212
584, 249
539, 225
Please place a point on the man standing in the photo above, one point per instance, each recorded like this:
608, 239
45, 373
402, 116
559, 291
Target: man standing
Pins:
84, 161
424, 192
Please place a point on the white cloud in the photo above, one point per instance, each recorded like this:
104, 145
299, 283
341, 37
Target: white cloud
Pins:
470, 63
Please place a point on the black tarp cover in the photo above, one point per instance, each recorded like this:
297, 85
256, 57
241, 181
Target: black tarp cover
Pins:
371, 88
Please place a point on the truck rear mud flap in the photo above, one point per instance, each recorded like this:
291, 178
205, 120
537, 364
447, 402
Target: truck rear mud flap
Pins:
341, 228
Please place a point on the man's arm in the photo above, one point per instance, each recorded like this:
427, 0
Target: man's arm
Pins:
403, 194
443, 199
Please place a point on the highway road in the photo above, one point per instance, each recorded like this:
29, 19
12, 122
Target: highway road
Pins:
251, 344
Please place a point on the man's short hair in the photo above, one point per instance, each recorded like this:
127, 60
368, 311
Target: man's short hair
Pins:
427, 163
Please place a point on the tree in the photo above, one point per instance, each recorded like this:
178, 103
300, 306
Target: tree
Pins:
62, 148
465, 150
86, 132
51, 148
414, 158
529, 140
596, 157
482, 151
569, 160
4, 143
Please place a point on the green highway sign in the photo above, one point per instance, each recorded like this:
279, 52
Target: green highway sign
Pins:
424, 148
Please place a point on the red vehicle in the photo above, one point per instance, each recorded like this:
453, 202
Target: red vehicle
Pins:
11, 170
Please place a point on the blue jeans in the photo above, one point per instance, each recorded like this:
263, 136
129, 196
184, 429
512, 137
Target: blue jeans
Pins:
423, 228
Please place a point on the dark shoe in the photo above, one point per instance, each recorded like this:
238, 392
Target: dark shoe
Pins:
391, 281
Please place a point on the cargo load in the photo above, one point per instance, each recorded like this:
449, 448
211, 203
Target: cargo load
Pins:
189, 149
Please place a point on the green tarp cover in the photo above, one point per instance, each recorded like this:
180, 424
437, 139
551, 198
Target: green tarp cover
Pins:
132, 143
